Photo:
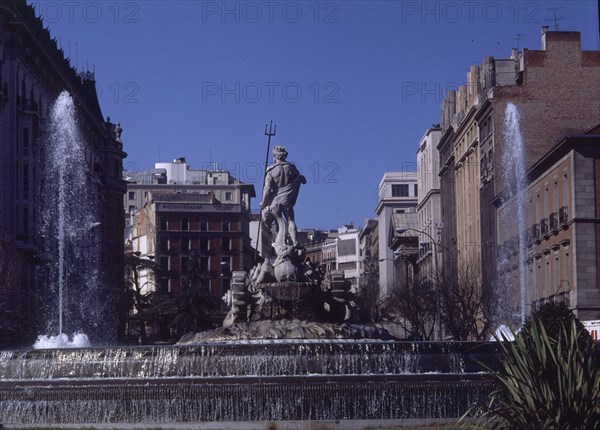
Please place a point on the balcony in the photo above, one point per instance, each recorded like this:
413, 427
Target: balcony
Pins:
535, 232
553, 221
563, 216
544, 230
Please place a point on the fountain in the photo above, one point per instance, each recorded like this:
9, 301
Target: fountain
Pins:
514, 184
71, 259
290, 350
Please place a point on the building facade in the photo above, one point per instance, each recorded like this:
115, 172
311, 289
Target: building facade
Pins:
561, 203
33, 72
429, 206
397, 193
348, 255
176, 214
555, 91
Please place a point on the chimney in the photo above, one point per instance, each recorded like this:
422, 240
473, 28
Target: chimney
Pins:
544, 31
514, 53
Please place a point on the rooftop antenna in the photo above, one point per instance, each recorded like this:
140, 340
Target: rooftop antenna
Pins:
269, 131
518, 39
555, 19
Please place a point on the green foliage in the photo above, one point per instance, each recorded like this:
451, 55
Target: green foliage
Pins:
547, 383
555, 317
193, 307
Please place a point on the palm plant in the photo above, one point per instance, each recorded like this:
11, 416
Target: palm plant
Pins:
546, 383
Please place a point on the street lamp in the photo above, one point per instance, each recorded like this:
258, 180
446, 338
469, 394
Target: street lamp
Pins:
435, 264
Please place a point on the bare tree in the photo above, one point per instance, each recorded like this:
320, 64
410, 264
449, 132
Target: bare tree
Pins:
466, 305
12, 277
414, 306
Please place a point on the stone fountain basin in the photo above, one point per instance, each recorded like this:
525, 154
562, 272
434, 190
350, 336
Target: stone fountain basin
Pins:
287, 290
250, 381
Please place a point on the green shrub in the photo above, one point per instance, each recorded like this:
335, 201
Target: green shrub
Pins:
555, 317
547, 383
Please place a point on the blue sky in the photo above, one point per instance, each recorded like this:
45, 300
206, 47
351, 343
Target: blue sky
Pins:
351, 85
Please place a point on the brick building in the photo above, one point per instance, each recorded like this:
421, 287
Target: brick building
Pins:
556, 91
204, 216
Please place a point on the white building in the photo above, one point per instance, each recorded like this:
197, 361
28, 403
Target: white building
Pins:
348, 254
429, 206
178, 177
398, 193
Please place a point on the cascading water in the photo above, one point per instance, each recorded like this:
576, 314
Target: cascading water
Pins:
514, 183
70, 242
250, 381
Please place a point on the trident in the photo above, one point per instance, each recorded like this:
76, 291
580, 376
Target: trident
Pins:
269, 131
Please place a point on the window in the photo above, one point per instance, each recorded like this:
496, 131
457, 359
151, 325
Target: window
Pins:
225, 286
547, 284
399, 190
228, 196
555, 203
165, 285
347, 266
164, 224
164, 244
26, 181
185, 224
566, 194
185, 261
567, 268
164, 263
131, 209
203, 224
204, 244
26, 221
225, 224
530, 279
537, 215
185, 244
225, 244
225, 265
537, 277
131, 195
25, 141
204, 264
556, 271
416, 190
